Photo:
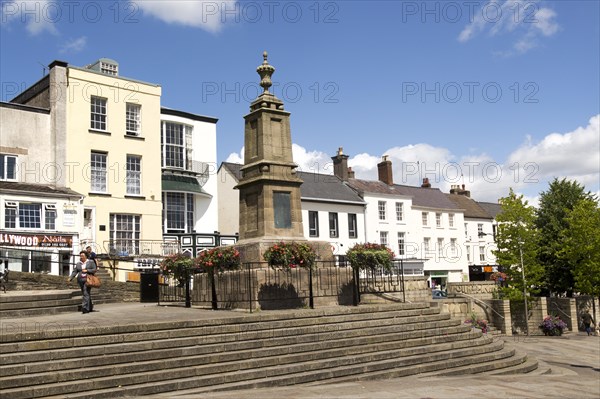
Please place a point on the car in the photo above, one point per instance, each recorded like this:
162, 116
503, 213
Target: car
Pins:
438, 294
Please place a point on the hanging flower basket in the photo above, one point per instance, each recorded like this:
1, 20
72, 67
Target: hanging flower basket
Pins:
219, 259
178, 266
370, 256
288, 256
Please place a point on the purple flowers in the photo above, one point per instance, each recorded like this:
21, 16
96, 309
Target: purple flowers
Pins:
552, 325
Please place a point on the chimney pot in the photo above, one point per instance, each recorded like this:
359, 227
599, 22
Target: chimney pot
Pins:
426, 183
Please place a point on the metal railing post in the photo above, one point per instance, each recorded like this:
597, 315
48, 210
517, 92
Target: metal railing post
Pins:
311, 302
188, 298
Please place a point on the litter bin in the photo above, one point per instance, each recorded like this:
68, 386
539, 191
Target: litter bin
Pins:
149, 285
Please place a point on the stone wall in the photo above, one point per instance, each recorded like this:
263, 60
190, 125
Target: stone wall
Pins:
476, 289
117, 291
566, 309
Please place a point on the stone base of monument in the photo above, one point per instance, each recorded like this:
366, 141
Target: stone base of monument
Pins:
264, 288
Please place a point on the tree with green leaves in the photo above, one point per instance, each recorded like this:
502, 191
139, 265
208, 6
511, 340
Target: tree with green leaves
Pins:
555, 204
517, 242
581, 247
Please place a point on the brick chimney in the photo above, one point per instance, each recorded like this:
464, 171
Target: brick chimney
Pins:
426, 183
340, 165
384, 171
458, 190
350, 173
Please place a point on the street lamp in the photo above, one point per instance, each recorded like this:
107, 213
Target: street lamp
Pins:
524, 289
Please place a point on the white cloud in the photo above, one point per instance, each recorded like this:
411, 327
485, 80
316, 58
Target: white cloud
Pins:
39, 16
207, 15
234, 157
74, 45
573, 155
523, 18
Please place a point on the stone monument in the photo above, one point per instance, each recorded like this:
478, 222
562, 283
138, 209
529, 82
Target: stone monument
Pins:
270, 209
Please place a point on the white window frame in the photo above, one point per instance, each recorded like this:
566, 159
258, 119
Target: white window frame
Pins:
134, 175
401, 243
48, 210
426, 245
425, 218
98, 172
334, 229
133, 119
186, 212
352, 225
124, 238
313, 223
98, 113
382, 209
383, 238
440, 245
109, 69
13, 215
399, 211
451, 220
438, 219
482, 253
181, 151
4, 160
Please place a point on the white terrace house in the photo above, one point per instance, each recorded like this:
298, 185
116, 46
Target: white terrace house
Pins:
189, 180
331, 211
417, 223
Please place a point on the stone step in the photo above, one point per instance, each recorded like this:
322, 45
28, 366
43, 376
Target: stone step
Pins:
247, 350
289, 370
124, 353
237, 359
27, 304
28, 352
527, 366
36, 296
246, 324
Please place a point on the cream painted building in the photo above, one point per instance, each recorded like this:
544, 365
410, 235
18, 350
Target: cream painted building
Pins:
105, 137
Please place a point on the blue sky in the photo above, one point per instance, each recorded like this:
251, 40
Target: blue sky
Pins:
504, 93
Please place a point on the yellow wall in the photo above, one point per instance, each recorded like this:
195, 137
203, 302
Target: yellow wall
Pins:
80, 142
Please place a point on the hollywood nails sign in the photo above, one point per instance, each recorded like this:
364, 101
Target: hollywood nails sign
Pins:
36, 240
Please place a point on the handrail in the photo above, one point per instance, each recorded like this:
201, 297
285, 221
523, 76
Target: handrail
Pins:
560, 310
480, 302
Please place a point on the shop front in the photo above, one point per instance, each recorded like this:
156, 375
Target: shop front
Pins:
38, 253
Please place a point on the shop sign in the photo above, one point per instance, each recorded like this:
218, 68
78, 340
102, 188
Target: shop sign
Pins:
36, 240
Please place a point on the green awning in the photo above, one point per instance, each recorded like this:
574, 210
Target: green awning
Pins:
187, 184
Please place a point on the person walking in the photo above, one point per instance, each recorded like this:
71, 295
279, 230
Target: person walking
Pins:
81, 270
588, 322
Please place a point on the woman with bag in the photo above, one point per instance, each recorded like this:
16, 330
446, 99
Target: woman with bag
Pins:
84, 268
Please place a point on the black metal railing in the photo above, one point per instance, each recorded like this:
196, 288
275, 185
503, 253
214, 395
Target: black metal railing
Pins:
258, 286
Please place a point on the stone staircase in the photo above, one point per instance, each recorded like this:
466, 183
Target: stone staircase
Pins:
247, 351
36, 303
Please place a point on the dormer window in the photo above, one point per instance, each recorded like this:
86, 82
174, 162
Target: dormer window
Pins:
109, 69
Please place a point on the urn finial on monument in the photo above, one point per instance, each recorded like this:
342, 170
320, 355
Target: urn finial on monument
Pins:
265, 71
